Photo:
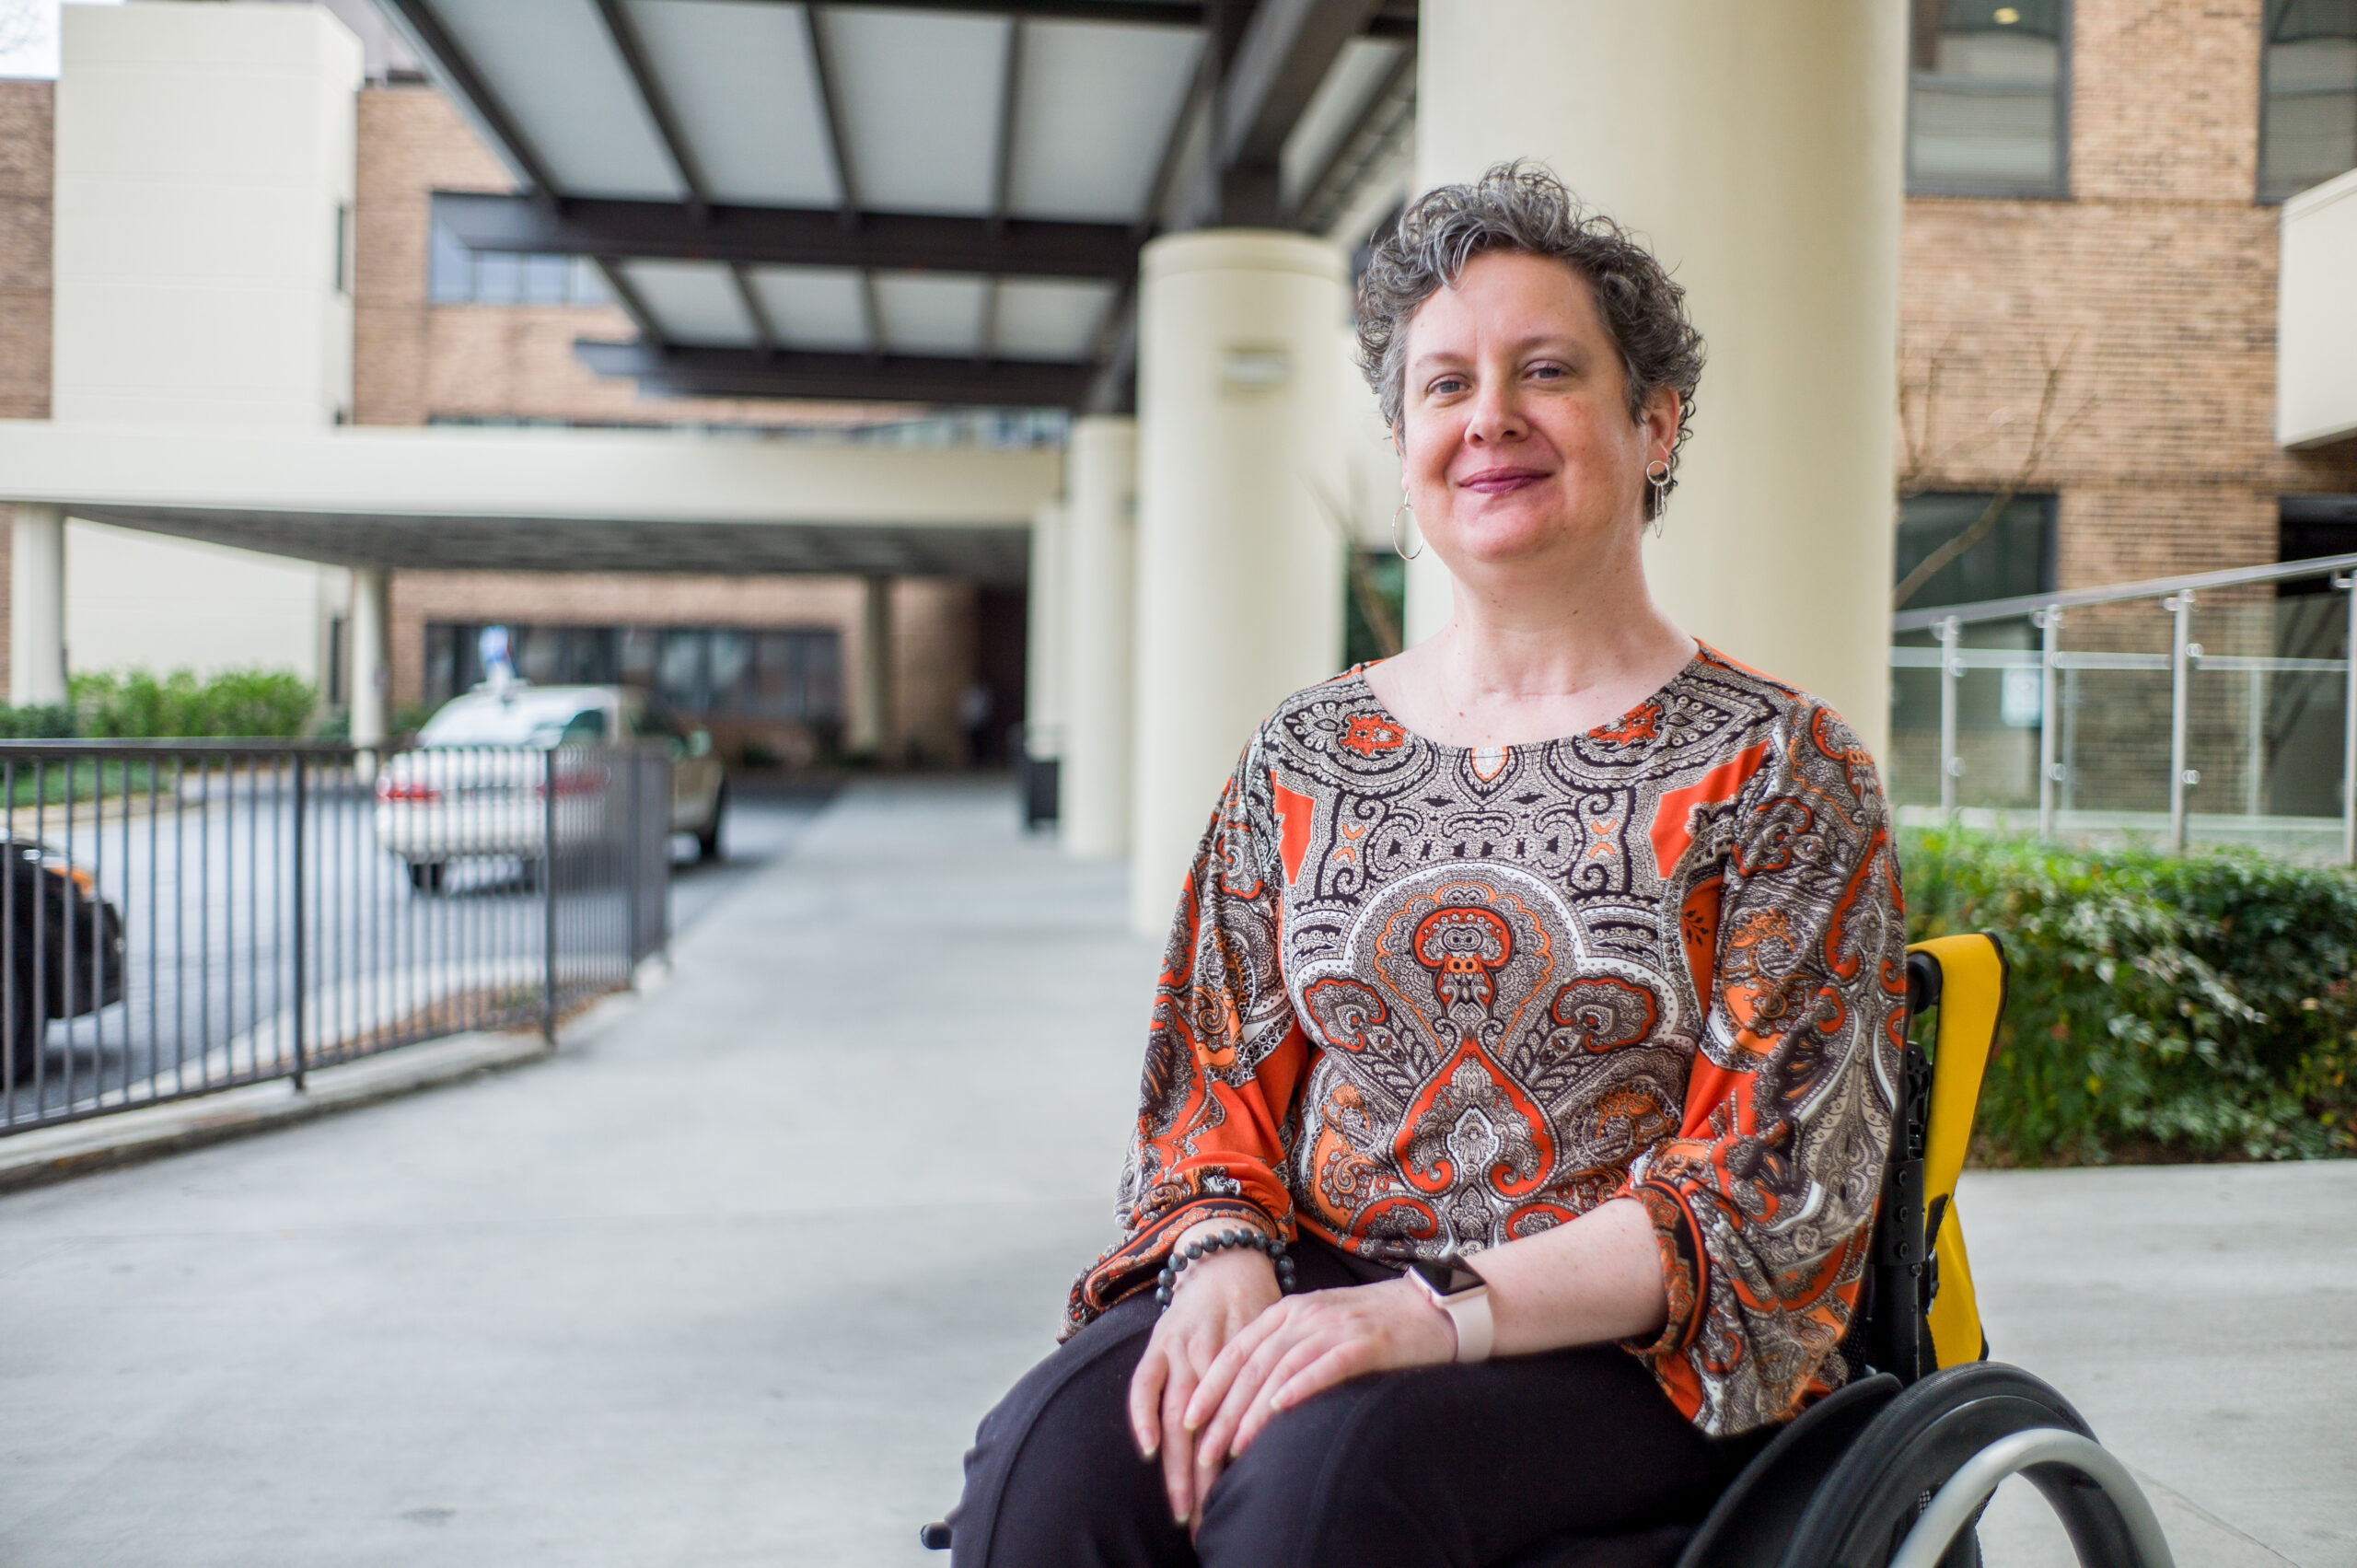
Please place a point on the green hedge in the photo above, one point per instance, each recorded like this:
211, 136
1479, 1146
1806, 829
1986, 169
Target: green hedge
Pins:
135, 704
2161, 1007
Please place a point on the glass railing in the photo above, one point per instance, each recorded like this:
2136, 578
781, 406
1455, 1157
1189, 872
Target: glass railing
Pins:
2213, 708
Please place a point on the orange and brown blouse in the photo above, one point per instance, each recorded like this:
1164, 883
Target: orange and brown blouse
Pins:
1421, 999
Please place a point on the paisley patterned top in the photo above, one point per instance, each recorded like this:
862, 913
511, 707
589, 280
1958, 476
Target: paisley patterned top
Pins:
1422, 999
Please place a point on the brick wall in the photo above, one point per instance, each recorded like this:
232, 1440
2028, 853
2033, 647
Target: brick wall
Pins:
416, 361
2157, 280
27, 144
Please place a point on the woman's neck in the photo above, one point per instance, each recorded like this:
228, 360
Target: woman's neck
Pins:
1528, 657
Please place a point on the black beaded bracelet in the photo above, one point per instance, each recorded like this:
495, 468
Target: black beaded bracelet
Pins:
1204, 1246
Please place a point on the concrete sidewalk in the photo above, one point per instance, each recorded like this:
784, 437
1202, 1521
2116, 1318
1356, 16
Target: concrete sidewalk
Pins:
731, 1283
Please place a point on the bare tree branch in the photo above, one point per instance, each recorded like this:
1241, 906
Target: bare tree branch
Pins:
2044, 438
1365, 590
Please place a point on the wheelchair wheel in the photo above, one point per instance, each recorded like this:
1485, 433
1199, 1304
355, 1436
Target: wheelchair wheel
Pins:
1972, 1424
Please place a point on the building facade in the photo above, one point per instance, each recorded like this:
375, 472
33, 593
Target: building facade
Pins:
2087, 339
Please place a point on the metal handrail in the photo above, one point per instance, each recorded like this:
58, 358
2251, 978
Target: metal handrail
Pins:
2066, 599
2176, 594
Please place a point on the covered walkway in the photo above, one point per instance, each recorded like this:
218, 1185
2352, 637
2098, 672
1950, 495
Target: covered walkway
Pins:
729, 1279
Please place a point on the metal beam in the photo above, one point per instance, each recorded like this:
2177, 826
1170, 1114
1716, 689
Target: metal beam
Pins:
440, 49
623, 34
435, 44
1125, 13
840, 378
830, 115
1287, 48
1113, 389
1379, 118
1010, 104
764, 334
810, 236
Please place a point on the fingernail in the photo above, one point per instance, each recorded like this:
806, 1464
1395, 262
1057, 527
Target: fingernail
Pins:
1178, 1518
1194, 1423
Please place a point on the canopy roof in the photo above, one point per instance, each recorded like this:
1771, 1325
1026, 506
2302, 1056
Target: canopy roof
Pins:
921, 199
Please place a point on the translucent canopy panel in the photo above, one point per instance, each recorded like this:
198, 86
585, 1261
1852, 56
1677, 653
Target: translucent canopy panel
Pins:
926, 313
739, 81
553, 67
1333, 109
692, 302
1096, 108
1048, 318
921, 95
813, 307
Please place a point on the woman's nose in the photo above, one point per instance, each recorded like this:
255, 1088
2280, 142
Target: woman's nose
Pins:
1497, 415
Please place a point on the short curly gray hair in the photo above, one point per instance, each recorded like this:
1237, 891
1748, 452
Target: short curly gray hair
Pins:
1520, 206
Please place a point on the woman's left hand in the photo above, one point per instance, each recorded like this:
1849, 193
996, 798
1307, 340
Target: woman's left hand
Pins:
1303, 1345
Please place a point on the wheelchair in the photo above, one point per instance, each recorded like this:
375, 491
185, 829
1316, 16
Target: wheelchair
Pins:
1893, 1469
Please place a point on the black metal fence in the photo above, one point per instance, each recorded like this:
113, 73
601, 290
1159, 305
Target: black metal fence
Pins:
182, 917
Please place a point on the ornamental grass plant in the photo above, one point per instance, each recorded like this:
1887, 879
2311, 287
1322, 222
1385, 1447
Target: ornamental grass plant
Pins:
2160, 1007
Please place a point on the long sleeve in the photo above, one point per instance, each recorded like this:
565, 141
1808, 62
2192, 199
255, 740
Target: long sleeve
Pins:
1224, 1057
1764, 1200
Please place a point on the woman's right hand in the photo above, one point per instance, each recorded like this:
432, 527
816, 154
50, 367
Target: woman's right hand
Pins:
1215, 1298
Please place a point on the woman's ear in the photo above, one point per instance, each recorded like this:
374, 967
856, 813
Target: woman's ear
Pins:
1663, 410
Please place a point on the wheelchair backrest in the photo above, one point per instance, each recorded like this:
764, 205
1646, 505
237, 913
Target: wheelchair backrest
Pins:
1918, 1312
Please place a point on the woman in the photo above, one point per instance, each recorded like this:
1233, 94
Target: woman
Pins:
1520, 1074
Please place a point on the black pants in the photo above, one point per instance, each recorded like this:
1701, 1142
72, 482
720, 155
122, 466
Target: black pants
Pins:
1465, 1467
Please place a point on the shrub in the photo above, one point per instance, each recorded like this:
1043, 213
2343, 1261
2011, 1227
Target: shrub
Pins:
2193, 1006
135, 704
36, 721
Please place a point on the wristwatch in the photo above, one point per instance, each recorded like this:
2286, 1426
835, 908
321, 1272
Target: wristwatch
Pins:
1456, 1289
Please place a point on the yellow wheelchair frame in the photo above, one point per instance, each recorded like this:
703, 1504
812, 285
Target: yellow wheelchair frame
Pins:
1893, 1469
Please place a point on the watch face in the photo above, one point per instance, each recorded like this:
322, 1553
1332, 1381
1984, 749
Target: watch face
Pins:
1446, 1276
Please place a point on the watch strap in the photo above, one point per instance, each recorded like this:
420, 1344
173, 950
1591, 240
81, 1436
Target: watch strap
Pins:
1476, 1329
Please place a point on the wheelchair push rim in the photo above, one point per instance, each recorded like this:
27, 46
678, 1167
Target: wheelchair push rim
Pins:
1916, 1479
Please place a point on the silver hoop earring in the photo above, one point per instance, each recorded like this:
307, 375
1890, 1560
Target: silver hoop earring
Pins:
1660, 482
1396, 548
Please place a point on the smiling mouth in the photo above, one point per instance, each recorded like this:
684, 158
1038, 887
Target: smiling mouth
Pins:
1501, 482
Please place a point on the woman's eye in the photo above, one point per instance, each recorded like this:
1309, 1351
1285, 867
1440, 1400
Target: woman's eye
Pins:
1546, 372
1447, 385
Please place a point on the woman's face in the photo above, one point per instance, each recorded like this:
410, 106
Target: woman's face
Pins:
1515, 439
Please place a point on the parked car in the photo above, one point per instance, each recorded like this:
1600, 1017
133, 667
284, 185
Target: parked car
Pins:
471, 789
64, 946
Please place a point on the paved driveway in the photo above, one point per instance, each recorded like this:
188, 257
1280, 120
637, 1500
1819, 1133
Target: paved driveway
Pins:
730, 1281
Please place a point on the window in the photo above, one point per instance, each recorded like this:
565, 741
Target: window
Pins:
695, 670
1988, 87
2308, 120
2013, 554
456, 275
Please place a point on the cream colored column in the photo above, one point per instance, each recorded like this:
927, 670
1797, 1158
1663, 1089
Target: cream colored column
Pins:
1043, 649
870, 730
37, 604
372, 659
1240, 570
1756, 148
1100, 552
